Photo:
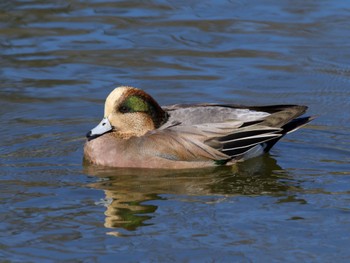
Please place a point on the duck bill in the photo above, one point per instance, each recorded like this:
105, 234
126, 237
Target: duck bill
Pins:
103, 127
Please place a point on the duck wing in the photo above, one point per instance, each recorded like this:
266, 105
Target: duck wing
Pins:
202, 133
211, 113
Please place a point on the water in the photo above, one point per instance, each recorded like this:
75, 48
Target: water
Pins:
59, 60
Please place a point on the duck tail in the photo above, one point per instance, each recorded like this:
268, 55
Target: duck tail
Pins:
291, 126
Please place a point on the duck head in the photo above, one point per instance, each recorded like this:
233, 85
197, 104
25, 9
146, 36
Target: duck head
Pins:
129, 112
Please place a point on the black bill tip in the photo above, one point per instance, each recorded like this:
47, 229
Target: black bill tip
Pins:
90, 137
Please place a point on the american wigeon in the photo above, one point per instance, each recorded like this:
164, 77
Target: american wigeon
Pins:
137, 132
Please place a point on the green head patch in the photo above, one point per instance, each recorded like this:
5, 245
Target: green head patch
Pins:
135, 104
145, 104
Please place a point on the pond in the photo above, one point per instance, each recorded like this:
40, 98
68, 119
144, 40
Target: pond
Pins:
59, 61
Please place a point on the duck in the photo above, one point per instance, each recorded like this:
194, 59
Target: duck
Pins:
136, 132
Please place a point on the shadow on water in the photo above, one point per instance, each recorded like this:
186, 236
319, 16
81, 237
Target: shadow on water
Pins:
128, 191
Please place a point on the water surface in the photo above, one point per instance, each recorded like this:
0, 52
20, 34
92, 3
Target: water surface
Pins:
59, 61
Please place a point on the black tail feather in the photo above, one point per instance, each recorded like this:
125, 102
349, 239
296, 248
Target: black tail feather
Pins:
289, 127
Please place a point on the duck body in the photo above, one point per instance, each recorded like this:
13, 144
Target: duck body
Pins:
137, 132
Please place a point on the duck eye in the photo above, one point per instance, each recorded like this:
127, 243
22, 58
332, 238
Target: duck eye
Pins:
124, 109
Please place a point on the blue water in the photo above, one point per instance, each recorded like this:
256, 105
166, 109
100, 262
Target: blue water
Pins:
60, 60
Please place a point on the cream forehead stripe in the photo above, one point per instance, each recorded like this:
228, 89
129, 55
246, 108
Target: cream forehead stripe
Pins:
113, 97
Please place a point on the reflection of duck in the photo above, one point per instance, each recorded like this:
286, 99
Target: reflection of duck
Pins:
137, 132
126, 209
128, 190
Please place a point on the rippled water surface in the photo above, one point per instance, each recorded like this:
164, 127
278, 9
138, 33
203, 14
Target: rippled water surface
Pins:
59, 60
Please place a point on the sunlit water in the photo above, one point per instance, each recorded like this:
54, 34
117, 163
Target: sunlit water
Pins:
59, 60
